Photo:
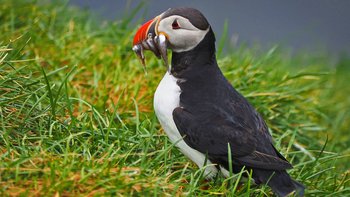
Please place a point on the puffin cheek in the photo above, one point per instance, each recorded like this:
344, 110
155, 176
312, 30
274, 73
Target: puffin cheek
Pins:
184, 40
178, 41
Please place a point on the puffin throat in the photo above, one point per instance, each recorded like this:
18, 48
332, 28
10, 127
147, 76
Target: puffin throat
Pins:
202, 55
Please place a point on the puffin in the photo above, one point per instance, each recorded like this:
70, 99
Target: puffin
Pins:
202, 114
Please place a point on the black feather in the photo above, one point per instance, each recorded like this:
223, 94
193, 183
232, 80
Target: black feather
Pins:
279, 181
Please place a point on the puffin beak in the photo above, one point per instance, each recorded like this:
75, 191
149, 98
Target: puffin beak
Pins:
147, 38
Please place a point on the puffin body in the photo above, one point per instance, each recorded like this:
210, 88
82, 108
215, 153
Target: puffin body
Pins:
166, 100
200, 110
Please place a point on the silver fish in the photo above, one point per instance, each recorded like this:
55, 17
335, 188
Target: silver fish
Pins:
158, 45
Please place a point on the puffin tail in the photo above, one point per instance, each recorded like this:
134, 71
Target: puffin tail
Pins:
280, 182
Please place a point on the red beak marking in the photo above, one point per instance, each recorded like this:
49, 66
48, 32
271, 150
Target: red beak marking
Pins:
141, 34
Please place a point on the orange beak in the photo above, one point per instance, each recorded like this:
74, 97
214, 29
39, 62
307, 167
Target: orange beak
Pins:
142, 33
147, 38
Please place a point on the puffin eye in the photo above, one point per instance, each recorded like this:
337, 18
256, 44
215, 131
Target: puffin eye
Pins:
175, 25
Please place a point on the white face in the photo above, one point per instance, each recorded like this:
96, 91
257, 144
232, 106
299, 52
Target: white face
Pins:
181, 34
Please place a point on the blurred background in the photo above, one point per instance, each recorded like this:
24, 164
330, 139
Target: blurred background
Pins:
317, 26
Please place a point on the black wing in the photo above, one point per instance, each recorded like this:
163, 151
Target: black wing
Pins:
210, 129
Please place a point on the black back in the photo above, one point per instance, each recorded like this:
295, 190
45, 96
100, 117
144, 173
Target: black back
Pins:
212, 113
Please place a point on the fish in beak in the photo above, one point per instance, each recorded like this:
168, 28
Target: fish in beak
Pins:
147, 38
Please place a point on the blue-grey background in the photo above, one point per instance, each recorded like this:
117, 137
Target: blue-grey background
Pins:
318, 26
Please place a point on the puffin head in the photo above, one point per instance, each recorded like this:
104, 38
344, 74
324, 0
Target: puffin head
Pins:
177, 29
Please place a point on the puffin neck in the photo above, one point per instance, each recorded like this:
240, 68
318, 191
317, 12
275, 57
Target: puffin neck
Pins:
202, 55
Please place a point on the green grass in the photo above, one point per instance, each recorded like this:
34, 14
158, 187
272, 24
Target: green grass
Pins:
76, 113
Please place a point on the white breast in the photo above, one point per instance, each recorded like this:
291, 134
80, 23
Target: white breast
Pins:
166, 99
